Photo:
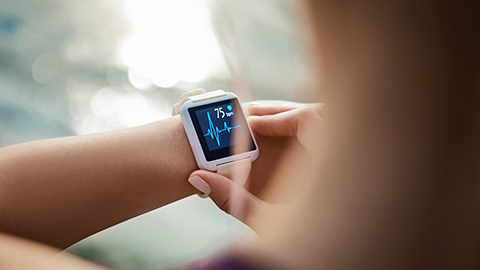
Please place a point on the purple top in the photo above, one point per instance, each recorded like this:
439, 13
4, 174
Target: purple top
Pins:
224, 262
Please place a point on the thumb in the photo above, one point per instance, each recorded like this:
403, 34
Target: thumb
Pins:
227, 195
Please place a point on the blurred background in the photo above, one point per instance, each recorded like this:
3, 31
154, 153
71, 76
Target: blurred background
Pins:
81, 67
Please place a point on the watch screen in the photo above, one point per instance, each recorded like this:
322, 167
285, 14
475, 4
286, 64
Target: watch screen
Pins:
222, 129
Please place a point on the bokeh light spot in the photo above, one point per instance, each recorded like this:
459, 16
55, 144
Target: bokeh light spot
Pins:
44, 68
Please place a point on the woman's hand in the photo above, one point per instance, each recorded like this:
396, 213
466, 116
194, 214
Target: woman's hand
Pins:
301, 120
277, 125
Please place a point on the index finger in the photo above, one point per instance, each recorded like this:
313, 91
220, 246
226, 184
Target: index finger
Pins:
261, 109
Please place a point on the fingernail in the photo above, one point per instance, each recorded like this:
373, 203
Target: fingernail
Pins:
255, 104
200, 184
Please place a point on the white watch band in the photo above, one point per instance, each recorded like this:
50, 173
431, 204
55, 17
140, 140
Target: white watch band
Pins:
196, 95
237, 170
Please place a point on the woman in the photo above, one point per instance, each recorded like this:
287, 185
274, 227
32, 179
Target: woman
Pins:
392, 182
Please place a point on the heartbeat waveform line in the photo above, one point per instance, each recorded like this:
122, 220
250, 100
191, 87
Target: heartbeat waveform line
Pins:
214, 132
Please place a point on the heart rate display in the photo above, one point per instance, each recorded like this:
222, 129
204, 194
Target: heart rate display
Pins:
214, 132
218, 124
221, 129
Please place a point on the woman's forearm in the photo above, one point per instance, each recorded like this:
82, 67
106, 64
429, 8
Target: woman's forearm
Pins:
18, 253
61, 190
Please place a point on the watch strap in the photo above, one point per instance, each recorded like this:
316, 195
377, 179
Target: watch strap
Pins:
196, 95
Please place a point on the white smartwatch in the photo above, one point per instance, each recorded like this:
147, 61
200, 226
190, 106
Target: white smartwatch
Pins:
218, 132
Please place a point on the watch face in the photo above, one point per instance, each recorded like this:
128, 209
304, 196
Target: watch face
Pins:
222, 129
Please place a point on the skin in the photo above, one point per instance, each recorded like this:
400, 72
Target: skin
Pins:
395, 184
273, 120
55, 184
20, 253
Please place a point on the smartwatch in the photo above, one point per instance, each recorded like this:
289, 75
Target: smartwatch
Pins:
218, 132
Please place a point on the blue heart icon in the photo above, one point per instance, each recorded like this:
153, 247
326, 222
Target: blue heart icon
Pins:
229, 107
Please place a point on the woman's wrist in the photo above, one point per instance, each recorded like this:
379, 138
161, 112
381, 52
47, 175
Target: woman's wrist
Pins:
165, 157
73, 187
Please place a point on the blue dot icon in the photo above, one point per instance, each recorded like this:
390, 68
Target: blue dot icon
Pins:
229, 107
